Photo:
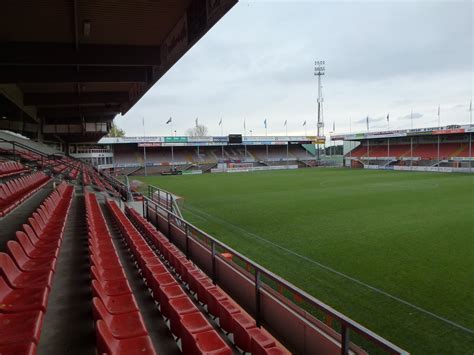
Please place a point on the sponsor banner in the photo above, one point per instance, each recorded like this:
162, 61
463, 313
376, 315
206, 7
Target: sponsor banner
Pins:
254, 168
192, 172
449, 131
220, 139
419, 133
320, 141
156, 144
176, 43
279, 143
200, 139
176, 139
337, 138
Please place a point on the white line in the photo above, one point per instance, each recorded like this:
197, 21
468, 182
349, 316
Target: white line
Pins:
375, 289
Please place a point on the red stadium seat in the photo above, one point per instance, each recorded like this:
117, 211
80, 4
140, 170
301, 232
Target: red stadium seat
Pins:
211, 343
111, 288
122, 326
108, 344
22, 300
192, 324
260, 341
23, 279
29, 264
242, 324
226, 311
18, 349
20, 327
119, 304
177, 308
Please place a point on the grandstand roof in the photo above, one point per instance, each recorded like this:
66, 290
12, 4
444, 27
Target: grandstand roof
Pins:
451, 129
67, 68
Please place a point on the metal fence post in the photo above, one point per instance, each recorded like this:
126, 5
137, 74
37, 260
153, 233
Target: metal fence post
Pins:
186, 230
213, 255
169, 225
257, 297
345, 340
145, 202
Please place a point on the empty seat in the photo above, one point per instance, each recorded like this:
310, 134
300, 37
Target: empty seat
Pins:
108, 344
21, 300
20, 327
122, 326
26, 348
26, 263
23, 279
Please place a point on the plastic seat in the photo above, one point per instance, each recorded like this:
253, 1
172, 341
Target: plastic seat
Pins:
18, 349
29, 264
122, 326
242, 324
119, 304
167, 293
33, 252
23, 279
111, 288
161, 280
111, 274
211, 343
191, 324
177, 308
203, 287
108, 344
212, 298
260, 341
22, 300
20, 327
226, 312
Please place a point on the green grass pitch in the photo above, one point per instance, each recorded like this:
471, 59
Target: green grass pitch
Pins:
335, 232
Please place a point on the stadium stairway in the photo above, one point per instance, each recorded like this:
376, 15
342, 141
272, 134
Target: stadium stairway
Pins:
68, 324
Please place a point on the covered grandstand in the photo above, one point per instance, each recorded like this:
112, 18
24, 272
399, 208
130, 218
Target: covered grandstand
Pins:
447, 149
160, 154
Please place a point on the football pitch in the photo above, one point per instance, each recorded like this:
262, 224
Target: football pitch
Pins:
392, 250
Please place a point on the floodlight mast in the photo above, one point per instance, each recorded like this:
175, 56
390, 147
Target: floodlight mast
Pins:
319, 69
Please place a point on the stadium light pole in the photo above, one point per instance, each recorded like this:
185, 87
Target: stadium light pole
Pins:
439, 125
287, 143
144, 145
319, 70
470, 137
245, 141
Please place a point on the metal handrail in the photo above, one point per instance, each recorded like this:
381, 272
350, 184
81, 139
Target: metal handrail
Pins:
346, 323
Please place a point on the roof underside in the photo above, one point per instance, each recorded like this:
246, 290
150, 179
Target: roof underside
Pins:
83, 61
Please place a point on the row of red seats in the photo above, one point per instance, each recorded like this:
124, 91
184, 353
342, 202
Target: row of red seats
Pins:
11, 168
120, 327
232, 318
186, 320
14, 192
27, 271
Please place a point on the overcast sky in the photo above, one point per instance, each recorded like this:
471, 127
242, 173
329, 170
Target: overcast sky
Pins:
257, 62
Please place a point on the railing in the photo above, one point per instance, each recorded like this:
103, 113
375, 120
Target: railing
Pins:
43, 156
317, 319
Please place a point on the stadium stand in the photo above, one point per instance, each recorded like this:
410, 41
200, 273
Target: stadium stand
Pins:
11, 168
14, 192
